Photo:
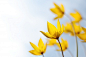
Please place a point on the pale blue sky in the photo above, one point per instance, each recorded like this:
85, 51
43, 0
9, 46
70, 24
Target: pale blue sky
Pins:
21, 21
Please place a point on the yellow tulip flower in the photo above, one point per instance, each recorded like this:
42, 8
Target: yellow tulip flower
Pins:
52, 42
69, 29
40, 50
82, 37
59, 11
64, 45
84, 29
76, 16
53, 32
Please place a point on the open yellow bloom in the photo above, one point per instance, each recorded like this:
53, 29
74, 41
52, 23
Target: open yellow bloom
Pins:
69, 28
41, 49
64, 45
82, 37
59, 11
52, 42
53, 32
84, 29
76, 16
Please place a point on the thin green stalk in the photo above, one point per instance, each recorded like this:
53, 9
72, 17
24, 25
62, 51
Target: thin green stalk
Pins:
43, 55
61, 48
74, 35
77, 46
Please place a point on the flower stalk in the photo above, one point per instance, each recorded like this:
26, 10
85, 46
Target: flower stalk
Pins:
61, 48
74, 35
43, 55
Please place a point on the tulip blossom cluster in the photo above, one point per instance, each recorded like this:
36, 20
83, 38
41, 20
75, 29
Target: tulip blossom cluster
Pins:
54, 33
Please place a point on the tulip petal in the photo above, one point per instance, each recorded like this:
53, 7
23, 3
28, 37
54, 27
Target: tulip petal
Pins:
64, 45
62, 29
77, 28
58, 16
34, 52
82, 36
58, 26
44, 49
57, 6
51, 42
35, 47
62, 8
59, 11
51, 28
47, 34
76, 16
84, 29
40, 44
53, 10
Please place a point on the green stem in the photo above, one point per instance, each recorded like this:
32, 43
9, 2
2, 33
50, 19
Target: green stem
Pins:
61, 48
74, 35
76, 46
43, 55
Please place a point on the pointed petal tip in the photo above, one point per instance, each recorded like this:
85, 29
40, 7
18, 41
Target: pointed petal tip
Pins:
58, 20
51, 9
41, 31
40, 39
55, 18
30, 42
62, 26
29, 51
70, 13
47, 22
54, 3
61, 4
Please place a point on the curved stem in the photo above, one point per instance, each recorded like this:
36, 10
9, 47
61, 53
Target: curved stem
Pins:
61, 48
70, 52
74, 35
43, 55
76, 47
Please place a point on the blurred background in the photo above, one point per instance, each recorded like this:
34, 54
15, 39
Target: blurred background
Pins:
22, 20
